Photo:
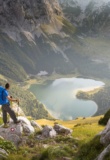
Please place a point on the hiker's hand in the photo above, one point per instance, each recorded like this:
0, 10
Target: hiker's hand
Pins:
17, 100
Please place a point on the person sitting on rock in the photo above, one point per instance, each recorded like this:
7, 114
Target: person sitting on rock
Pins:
6, 106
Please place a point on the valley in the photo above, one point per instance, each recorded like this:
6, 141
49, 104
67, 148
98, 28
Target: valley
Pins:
51, 52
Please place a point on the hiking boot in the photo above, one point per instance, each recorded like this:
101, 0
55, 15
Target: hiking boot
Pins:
17, 122
5, 126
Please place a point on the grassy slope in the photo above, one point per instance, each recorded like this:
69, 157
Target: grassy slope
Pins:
81, 127
82, 139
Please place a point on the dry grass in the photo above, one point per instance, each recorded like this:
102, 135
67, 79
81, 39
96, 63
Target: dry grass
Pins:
72, 123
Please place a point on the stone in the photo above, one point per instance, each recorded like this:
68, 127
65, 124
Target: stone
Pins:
104, 153
27, 15
14, 138
15, 131
24, 120
105, 135
48, 132
36, 125
12, 129
62, 130
105, 140
3, 154
28, 129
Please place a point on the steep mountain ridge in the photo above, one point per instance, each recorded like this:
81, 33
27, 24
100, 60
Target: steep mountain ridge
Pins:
22, 15
32, 33
91, 17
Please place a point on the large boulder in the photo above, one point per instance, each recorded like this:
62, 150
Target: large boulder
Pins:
15, 132
12, 129
48, 132
62, 130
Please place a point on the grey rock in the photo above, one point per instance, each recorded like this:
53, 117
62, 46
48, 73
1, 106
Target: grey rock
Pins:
14, 138
3, 154
15, 131
104, 153
48, 132
36, 125
24, 120
26, 15
105, 140
12, 129
105, 135
28, 129
62, 130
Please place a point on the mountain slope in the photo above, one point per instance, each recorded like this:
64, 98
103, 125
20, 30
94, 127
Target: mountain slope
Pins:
25, 27
28, 102
91, 17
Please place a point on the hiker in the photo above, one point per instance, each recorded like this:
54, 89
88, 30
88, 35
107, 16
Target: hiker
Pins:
5, 102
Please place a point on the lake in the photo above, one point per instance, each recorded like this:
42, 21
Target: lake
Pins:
59, 96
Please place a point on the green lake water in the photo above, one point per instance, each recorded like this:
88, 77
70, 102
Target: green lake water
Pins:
59, 96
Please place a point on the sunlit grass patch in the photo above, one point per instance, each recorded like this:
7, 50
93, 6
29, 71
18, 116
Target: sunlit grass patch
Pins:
86, 132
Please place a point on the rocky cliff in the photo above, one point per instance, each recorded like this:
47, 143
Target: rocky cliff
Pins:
91, 17
27, 16
32, 38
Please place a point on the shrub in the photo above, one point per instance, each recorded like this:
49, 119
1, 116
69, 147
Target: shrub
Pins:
90, 150
104, 120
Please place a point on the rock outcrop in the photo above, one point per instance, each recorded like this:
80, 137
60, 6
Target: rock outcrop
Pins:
15, 132
105, 140
26, 16
52, 132
62, 130
48, 132
36, 125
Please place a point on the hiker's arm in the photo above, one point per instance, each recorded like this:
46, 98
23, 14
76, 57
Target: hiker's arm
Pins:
12, 99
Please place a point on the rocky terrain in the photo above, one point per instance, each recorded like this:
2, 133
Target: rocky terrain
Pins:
29, 140
39, 37
26, 26
90, 17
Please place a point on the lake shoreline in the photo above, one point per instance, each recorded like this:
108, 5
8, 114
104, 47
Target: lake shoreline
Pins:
41, 79
84, 104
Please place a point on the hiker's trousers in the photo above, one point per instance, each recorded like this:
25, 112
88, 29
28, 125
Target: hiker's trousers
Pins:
7, 109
